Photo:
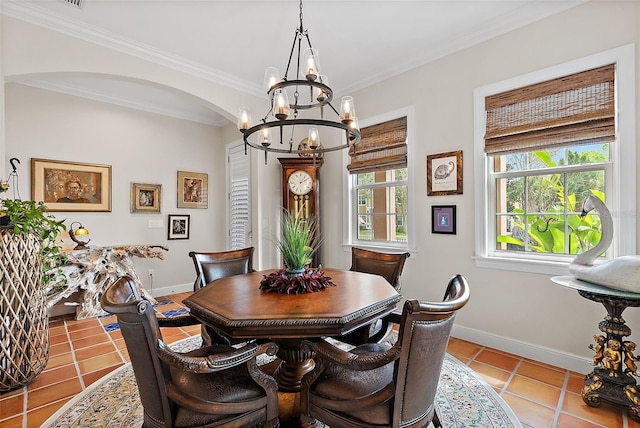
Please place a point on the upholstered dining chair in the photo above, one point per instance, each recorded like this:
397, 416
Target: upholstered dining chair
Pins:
215, 265
212, 386
387, 265
382, 385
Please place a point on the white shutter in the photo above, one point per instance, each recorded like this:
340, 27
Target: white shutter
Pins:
239, 171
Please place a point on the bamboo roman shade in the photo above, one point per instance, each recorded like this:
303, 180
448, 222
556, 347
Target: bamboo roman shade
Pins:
574, 109
382, 146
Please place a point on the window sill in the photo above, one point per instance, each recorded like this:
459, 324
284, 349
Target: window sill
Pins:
383, 248
545, 267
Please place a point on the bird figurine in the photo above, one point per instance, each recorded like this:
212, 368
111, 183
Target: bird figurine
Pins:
621, 273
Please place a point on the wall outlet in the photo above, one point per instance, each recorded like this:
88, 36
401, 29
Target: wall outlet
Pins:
150, 273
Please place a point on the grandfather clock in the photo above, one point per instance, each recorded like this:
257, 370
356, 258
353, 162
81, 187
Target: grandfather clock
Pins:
301, 189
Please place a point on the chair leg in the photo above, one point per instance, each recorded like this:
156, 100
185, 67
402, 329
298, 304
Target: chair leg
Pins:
436, 420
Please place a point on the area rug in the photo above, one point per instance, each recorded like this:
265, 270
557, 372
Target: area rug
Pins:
463, 399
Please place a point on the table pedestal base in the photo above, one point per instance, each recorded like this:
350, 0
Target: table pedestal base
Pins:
295, 364
613, 379
621, 391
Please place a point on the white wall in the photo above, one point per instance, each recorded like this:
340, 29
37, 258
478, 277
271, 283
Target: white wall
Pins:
523, 313
141, 148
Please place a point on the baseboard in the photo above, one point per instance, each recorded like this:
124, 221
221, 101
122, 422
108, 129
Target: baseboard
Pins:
171, 289
549, 356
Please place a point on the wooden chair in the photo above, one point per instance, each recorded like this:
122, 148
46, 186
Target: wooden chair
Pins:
387, 265
215, 265
383, 385
211, 386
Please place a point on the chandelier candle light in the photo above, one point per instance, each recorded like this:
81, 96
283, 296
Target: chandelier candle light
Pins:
309, 90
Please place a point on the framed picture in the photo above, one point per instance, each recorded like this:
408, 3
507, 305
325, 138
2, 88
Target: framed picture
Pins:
444, 174
145, 198
71, 186
443, 219
193, 190
179, 226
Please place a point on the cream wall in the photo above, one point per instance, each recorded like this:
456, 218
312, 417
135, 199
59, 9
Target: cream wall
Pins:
141, 148
522, 313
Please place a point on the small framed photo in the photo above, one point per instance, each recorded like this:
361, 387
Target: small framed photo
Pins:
443, 219
145, 198
179, 226
193, 190
444, 174
71, 186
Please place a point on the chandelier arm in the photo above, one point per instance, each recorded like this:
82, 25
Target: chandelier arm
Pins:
293, 47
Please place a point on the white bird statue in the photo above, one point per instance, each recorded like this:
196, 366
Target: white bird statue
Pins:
621, 273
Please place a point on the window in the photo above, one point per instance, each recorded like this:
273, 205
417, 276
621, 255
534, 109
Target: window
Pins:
239, 212
543, 143
379, 184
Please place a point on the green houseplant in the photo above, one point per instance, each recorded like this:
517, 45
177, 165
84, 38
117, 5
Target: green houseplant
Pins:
297, 243
29, 257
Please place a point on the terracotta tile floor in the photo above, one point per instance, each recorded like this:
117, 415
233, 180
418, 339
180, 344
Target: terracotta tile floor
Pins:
81, 352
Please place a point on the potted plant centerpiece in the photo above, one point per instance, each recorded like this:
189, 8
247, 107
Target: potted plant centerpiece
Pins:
29, 258
298, 242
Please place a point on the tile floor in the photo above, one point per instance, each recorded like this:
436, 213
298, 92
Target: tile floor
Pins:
81, 352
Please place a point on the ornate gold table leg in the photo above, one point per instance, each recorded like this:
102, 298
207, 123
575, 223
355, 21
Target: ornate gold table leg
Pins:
613, 379
295, 364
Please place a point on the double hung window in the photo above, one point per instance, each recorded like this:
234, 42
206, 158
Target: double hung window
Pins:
379, 175
545, 147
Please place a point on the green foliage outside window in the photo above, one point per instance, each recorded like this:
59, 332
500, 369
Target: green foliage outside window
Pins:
551, 222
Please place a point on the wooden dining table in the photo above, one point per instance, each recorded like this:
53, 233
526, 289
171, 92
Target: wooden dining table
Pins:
235, 306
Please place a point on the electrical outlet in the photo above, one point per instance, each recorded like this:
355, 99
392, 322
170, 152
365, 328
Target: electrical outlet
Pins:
150, 273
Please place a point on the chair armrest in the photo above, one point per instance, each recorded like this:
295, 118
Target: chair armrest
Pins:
180, 321
211, 358
353, 361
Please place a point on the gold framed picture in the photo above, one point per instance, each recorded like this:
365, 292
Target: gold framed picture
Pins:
145, 198
71, 186
193, 190
444, 174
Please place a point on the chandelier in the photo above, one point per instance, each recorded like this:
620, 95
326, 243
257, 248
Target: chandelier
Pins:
292, 104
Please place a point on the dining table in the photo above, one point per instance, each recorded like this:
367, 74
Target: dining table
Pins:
236, 307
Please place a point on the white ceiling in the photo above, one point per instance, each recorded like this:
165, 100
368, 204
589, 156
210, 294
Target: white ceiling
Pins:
361, 42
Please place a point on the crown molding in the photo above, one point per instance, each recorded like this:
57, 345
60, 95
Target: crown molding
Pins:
71, 27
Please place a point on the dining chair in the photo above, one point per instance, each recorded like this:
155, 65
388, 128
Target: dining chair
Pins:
387, 265
384, 385
211, 386
215, 265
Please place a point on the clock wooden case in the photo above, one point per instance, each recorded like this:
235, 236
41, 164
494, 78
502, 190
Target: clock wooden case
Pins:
301, 189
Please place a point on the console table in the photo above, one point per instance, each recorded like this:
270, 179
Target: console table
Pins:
612, 379
90, 271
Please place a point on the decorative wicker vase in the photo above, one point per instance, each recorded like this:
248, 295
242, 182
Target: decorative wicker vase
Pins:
24, 328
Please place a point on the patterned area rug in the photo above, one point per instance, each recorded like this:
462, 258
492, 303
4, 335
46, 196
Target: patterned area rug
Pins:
464, 399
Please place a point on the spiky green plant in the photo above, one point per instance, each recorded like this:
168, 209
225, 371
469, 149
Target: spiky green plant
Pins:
299, 239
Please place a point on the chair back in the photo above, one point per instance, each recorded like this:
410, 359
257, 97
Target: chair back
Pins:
387, 265
423, 336
141, 332
215, 265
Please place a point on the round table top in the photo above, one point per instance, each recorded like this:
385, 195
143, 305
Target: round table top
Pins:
577, 284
